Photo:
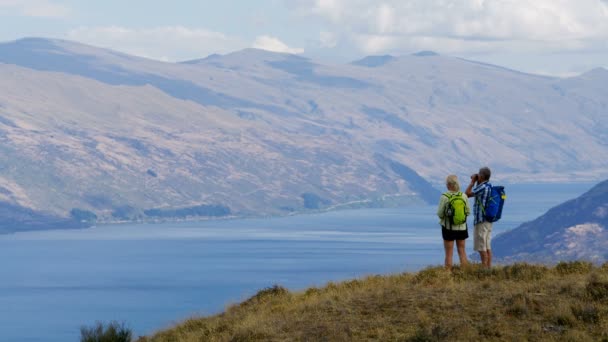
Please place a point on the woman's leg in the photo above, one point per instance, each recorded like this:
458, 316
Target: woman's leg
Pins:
462, 254
449, 251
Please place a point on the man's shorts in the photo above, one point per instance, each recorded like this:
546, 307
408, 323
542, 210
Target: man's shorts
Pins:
482, 236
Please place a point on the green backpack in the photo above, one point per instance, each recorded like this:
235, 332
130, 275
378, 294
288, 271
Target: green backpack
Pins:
455, 209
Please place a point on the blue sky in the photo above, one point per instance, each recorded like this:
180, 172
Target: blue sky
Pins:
558, 37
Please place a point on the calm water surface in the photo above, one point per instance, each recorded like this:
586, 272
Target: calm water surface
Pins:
152, 276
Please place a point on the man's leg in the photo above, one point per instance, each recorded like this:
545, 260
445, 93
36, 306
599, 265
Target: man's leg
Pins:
489, 243
485, 231
478, 242
483, 257
489, 258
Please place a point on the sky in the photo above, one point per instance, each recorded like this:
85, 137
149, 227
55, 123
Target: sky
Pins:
552, 37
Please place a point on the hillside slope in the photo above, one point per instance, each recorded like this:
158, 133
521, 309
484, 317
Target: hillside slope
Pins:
576, 229
258, 133
512, 303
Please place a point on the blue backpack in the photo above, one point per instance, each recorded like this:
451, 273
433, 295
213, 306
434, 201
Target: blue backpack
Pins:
492, 210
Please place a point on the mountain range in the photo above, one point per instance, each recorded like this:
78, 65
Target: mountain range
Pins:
89, 134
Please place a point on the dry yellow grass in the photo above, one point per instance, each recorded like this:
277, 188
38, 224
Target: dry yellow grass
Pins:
520, 302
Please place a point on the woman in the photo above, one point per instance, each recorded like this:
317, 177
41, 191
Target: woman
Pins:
453, 231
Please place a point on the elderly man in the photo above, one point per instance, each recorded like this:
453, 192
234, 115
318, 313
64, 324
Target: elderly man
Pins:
481, 189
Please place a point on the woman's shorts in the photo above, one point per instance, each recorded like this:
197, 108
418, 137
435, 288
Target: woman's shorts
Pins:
451, 235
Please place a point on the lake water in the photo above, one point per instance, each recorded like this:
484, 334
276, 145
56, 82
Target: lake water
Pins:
154, 275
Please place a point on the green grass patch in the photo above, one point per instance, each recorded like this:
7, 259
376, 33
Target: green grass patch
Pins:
111, 332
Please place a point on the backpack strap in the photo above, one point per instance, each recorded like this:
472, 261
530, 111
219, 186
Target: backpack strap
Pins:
446, 221
483, 205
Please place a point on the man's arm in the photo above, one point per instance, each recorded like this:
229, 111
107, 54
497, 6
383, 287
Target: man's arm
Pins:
469, 191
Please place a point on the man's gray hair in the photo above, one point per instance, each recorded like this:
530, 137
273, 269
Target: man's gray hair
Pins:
485, 173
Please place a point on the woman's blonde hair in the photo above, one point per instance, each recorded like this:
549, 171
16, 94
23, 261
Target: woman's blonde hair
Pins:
452, 181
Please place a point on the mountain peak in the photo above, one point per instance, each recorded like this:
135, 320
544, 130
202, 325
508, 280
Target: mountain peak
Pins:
32, 40
595, 73
37, 46
255, 53
246, 56
35, 43
425, 54
50, 44
374, 61
211, 57
597, 76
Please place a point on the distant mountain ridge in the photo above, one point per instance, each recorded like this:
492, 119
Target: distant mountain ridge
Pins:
576, 229
261, 133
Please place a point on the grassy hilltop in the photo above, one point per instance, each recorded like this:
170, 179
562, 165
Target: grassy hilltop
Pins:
568, 302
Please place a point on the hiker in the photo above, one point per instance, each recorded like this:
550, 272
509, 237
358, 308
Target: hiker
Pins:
480, 189
453, 210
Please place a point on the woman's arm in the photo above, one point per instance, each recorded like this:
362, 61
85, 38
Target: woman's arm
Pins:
467, 207
441, 208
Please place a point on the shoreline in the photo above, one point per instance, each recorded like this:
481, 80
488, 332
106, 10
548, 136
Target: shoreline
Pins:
333, 208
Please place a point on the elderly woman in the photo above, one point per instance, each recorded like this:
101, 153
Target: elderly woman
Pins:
452, 211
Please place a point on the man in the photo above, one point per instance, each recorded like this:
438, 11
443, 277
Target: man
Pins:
483, 229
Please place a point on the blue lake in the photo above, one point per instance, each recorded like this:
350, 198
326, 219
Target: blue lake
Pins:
152, 276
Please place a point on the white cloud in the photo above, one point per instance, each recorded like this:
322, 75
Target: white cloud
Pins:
375, 43
274, 44
462, 26
35, 8
171, 43
331, 8
385, 18
328, 39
